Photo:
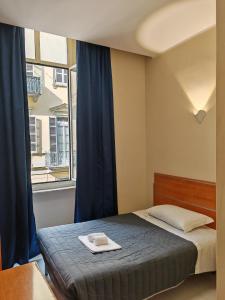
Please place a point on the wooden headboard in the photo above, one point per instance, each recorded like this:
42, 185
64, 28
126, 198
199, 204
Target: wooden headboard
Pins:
196, 195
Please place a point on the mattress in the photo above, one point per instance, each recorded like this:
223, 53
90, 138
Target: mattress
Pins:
152, 259
204, 238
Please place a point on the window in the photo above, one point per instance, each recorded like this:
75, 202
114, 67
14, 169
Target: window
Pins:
49, 107
53, 48
35, 134
63, 143
59, 141
53, 134
60, 77
49, 129
30, 70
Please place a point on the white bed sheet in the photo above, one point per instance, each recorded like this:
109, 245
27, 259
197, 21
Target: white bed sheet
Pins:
204, 238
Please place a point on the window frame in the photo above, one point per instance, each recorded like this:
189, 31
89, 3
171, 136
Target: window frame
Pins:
62, 83
71, 60
71, 54
60, 184
73, 68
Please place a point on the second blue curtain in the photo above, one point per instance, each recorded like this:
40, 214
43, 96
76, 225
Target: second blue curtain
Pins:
96, 192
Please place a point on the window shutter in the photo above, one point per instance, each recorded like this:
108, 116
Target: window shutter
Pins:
33, 135
39, 135
65, 77
53, 134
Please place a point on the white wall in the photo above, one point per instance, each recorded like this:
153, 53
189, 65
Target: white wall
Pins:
54, 207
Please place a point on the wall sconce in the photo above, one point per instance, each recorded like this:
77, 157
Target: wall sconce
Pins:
200, 116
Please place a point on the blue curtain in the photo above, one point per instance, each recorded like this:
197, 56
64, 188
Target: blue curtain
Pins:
17, 223
96, 192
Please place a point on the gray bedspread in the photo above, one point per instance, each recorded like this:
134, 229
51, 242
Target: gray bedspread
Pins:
151, 259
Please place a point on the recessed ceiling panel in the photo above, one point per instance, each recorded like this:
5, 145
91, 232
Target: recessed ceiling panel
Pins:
176, 22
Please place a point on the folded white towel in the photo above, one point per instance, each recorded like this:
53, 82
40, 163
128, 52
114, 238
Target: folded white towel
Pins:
97, 249
100, 240
92, 236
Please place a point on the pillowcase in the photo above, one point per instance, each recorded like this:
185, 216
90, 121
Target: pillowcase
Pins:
179, 217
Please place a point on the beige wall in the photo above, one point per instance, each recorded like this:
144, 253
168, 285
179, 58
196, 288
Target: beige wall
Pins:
179, 83
130, 129
220, 149
155, 128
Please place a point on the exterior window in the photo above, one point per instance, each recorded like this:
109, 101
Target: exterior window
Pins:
60, 77
30, 70
59, 141
39, 136
53, 135
33, 80
35, 134
63, 143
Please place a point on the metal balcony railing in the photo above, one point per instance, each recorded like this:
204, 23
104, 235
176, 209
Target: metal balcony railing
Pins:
34, 86
59, 159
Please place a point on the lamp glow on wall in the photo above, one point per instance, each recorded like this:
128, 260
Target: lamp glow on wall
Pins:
200, 116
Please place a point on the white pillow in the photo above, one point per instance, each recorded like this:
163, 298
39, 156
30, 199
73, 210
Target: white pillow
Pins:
179, 217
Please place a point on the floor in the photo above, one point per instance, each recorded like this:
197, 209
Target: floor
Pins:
198, 287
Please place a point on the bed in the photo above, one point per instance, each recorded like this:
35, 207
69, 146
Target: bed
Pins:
154, 256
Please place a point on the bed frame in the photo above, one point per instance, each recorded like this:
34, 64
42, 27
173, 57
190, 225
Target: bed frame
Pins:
196, 195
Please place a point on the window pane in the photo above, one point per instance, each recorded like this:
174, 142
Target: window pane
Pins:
59, 77
53, 139
65, 76
53, 150
59, 71
32, 120
29, 43
32, 130
52, 122
33, 147
29, 69
32, 138
49, 128
53, 48
52, 130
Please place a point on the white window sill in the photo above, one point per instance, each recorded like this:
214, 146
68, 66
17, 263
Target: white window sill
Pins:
53, 186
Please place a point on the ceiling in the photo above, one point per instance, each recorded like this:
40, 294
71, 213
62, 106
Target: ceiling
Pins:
147, 27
